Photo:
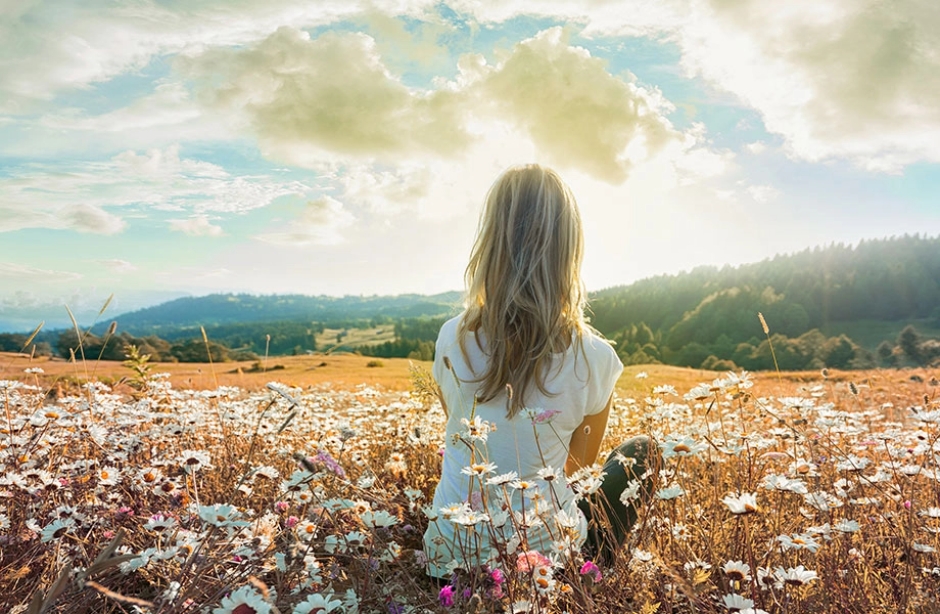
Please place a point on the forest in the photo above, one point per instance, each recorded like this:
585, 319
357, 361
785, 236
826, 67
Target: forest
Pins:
840, 306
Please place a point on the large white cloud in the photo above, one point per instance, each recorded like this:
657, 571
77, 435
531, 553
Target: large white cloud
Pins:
331, 99
852, 79
331, 93
49, 47
855, 79
574, 109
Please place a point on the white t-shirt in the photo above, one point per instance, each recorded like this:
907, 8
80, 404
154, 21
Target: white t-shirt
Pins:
581, 383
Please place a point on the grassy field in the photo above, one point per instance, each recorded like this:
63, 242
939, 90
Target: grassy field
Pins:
354, 337
305, 489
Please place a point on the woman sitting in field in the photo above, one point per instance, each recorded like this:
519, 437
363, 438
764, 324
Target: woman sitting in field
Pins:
527, 387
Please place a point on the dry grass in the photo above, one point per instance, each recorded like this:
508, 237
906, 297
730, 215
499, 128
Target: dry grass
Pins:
89, 475
339, 369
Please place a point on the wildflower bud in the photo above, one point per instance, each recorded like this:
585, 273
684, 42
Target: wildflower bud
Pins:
853, 388
113, 328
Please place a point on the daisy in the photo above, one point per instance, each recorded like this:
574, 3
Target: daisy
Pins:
56, 529
479, 469
244, 600
735, 602
221, 515
671, 492
477, 429
502, 479
795, 576
738, 571
159, 522
377, 519
630, 493
783, 483
549, 474
194, 460
798, 541
109, 476
846, 526
681, 448
743, 503
470, 518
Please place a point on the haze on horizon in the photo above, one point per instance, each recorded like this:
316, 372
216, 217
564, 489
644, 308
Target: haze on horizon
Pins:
151, 150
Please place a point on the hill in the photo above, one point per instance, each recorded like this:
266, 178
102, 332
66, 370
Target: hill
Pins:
218, 309
856, 299
872, 304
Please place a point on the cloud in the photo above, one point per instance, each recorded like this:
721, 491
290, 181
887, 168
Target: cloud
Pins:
117, 265
320, 223
47, 53
763, 193
21, 273
312, 101
850, 79
757, 147
331, 93
575, 110
88, 218
196, 226
75, 195
843, 78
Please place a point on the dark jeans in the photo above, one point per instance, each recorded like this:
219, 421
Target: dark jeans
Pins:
609, 520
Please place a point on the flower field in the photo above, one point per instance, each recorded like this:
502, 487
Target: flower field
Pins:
774, 495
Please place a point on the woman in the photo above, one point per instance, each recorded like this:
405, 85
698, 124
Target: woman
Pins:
527, 387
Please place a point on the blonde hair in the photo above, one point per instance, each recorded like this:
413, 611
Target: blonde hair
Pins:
524, 288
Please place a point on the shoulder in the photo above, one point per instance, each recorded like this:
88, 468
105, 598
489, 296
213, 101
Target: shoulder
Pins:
449, 329
598, 350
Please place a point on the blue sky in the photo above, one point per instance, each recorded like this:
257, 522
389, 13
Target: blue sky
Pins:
157, 149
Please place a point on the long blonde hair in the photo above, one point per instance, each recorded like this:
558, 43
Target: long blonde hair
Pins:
524, 288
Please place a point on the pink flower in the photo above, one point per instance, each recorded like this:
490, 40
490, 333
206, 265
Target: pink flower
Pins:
292, 521
545, 416
497, 576
527, 561
281, 506
446, 596
592, 570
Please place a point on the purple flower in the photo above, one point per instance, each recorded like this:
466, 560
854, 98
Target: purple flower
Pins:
328, 462
591, 570
446, 596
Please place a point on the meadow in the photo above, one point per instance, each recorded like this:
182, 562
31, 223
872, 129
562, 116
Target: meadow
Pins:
304, 487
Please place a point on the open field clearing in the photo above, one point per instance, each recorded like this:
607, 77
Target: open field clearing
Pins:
354, 337
208, 490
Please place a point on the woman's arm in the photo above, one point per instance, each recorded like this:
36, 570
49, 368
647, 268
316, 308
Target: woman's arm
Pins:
586, 439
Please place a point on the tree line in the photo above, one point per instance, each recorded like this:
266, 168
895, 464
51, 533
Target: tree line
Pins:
708, 317
886, 291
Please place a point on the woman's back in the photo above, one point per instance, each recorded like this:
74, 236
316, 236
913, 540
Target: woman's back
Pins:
532, 445
523, 380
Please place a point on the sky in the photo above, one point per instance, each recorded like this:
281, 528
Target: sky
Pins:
157, 149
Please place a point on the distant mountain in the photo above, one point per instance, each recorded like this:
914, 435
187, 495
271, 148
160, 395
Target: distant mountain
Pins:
217, 309
842, 306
